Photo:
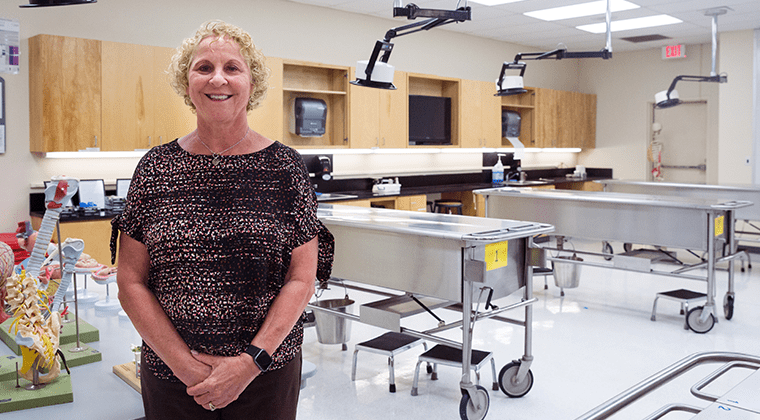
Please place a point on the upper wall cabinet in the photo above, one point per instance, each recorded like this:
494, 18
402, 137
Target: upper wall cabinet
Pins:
565, 119
64, 93
378, 116
104, 95
267, 119
140, 109
480, 117
316, 81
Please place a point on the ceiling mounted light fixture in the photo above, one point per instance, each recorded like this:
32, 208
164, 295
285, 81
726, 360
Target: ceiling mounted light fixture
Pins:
48, 3
669, 98
513, 85
376, 72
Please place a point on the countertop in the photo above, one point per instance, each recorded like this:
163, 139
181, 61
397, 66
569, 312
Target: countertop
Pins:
360, 189
444, 188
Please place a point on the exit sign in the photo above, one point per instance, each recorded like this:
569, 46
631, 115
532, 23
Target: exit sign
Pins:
674, 51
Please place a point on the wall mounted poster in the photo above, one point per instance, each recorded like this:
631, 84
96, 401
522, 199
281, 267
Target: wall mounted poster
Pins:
9, 46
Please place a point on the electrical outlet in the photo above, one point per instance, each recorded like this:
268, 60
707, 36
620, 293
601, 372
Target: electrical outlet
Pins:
747, 161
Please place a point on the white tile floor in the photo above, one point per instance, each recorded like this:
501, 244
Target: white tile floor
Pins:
589, 345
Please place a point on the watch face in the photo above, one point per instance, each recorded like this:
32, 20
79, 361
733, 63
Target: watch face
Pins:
260, 357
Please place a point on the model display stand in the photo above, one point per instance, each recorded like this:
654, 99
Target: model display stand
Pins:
82, 294
15, 398
8, 367
87, 334
127, 373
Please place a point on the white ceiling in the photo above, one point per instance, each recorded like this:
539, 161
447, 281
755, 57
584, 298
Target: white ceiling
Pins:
507, 23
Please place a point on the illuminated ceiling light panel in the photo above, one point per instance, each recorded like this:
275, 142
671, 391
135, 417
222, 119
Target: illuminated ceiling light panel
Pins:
629, 24
581, 10
494, 2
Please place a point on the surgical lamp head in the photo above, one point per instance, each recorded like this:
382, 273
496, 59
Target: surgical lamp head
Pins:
510, 85
669, 98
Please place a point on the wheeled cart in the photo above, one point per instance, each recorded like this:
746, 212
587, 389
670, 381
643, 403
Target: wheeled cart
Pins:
438, 261
740, 402
673, 222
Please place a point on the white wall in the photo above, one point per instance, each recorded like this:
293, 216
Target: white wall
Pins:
624, 85
735, 104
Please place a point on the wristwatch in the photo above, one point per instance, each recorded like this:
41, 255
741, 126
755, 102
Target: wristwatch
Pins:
260, 356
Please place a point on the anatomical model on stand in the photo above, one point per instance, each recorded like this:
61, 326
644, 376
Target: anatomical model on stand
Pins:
37, 325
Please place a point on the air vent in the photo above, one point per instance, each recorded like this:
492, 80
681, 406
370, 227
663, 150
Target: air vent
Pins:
645, 38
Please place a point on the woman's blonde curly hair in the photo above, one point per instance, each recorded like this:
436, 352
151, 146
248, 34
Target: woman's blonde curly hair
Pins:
180, 64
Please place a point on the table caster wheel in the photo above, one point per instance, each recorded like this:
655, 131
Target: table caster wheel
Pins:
509, 385
476, 408
694, 323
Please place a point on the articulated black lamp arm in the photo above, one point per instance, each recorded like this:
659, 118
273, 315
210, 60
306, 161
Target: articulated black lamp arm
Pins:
561, 53
721, 78
412, 11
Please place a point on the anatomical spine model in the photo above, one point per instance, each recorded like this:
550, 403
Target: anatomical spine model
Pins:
36, 325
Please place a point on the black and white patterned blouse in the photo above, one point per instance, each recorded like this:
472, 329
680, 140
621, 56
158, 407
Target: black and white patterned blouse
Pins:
219, 239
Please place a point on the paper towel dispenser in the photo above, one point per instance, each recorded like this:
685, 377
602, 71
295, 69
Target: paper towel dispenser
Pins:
307, 117
510, 124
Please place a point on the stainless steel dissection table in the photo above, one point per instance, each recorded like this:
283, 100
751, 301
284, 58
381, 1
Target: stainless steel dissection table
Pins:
439, 261
674, 222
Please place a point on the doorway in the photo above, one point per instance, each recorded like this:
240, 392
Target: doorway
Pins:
678, 143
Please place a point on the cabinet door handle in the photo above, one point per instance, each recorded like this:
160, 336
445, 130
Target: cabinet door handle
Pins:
96, 141
150, 141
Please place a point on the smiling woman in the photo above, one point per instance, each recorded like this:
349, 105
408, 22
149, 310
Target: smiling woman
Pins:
220, 247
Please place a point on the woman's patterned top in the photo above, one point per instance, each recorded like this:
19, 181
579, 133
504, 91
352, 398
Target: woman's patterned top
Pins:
219, 239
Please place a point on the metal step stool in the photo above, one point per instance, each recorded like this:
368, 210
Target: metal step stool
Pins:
445, 355
389, 344
684, 296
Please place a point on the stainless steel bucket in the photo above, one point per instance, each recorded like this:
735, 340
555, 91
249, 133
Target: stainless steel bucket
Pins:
332, 329
567, 275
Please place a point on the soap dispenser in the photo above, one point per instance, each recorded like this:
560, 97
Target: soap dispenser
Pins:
497, 173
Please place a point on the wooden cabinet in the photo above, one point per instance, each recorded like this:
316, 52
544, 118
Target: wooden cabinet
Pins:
524, 105
409, 202
480, 116
140, 109
99, 94
412, 203
64, 93
565, 119
302, 79
379, 116
428, 85
267, 119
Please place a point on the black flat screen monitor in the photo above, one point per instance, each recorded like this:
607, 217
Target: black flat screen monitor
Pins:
429, 120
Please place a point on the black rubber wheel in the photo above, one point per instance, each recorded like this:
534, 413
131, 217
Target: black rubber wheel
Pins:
510, 388
692, 320
474, 411
627, 247
728, 306
607, 249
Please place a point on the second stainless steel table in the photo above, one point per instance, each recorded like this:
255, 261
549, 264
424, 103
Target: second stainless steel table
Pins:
675, 222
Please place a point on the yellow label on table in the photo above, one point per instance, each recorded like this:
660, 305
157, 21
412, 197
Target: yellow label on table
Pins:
719, 225
497, 255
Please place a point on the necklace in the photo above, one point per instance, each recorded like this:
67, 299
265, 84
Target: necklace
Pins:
217, 156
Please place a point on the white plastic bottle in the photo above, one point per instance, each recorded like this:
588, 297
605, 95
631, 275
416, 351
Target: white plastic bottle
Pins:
497, 173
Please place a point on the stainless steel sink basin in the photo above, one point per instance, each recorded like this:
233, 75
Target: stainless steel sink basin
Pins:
526, 183
335, 196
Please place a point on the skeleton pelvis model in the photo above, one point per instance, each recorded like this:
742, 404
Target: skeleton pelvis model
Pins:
36, 325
